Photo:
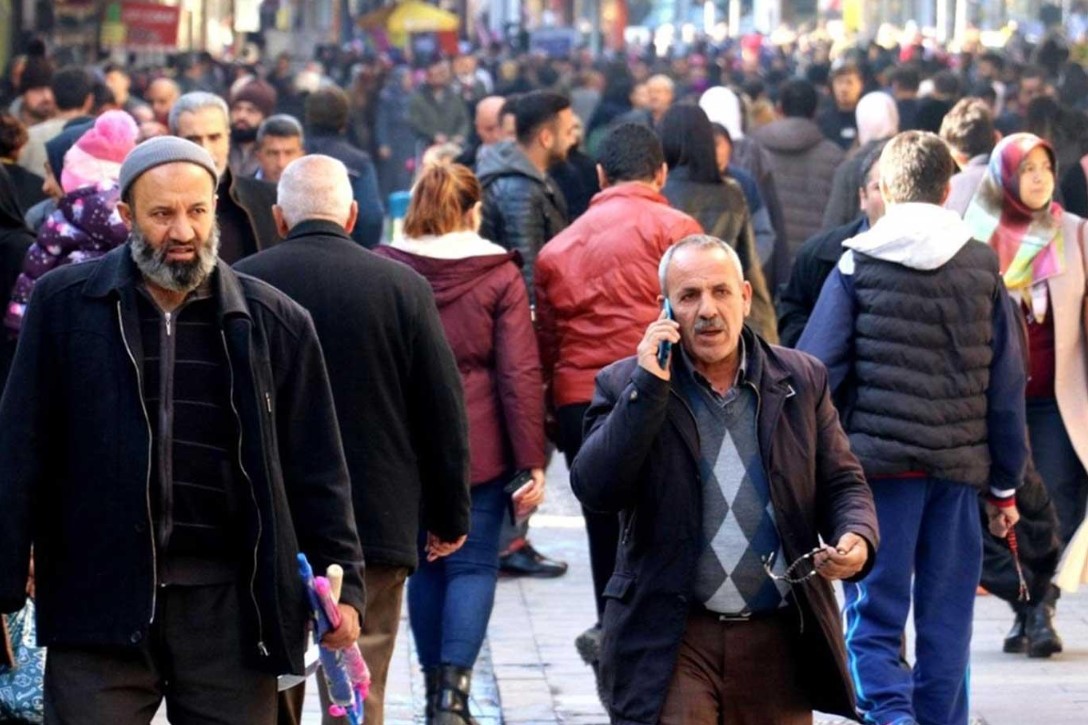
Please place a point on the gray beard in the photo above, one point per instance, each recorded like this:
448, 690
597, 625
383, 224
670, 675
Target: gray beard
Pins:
174, 276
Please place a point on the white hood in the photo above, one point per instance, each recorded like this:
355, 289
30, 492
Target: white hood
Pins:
920, 236
455, 245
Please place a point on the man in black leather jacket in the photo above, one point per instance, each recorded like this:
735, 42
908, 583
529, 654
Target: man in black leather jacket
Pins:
523, 209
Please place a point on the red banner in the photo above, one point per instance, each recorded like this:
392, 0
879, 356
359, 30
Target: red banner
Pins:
148, 24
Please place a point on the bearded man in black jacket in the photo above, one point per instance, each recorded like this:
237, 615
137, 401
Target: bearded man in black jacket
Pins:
168, 445
396, 383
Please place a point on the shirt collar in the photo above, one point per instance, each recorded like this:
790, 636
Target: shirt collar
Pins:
742, 369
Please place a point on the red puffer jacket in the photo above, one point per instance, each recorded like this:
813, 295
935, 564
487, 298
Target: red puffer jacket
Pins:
597, 285
484, 307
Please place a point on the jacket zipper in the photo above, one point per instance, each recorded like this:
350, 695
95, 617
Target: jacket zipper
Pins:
147, 422
260, 527
168, 328
767, 476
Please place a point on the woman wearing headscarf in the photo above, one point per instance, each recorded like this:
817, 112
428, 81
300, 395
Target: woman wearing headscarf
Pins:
695, 186
877, 119
85, 224
15, 239
395, 139
1041, 250
722, 105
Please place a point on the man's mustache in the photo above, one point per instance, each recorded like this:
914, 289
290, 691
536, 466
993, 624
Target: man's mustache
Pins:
714, 324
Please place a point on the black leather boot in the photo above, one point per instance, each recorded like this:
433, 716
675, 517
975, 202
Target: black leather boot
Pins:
1016, 641
430, 682
451, 705
1043, 640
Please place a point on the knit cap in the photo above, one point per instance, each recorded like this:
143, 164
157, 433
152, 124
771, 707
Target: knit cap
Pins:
163, 150
96, 157
260, 93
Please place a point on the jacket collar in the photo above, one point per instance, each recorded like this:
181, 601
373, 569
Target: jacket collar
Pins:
632, 191
762, 367
117, 273
318, 227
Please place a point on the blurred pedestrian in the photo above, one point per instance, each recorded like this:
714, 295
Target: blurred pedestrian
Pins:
13, 138
484, 308
405, 439
397, 143
877, 121
15, 240
280, 140
250, 104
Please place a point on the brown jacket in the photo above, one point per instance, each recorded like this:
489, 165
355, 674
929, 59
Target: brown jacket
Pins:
641, 459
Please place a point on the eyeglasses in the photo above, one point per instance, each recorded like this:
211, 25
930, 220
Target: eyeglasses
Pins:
791, 575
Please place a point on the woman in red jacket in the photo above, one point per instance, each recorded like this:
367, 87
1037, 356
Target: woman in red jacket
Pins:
484, 308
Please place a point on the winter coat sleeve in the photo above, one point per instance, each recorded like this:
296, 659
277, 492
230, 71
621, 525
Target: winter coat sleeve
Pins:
368, 227
842, 205
829, 334
844, 501
1006, 418
546, 335
620, 427
517, 372
799, 296
436, 409
764, 233
315, 472
24, 443
514, 216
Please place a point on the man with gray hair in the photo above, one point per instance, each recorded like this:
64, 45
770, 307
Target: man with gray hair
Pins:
725, 459
244, 208
396, 382
915, 328
201, 454
279, 142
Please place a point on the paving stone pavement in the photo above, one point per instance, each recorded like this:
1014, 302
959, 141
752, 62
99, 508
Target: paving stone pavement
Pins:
530, 673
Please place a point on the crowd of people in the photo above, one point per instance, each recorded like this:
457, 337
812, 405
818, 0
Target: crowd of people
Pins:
793, 313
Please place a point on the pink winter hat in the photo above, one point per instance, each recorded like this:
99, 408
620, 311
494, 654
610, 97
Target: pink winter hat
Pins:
96, 157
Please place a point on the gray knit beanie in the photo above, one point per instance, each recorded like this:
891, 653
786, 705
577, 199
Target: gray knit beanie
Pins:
162, 150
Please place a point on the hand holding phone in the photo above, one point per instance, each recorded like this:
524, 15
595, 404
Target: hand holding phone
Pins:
655, 350
665, 347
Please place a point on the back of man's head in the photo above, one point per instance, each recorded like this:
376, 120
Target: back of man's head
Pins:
536, 110
327, 110
969, 128
905, 79
314, 187
71, 87
915, 167
630, 152
797, 98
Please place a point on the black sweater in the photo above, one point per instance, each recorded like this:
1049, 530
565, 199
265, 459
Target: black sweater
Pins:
394, 381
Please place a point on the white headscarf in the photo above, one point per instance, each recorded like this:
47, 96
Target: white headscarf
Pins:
722, 106
877, 117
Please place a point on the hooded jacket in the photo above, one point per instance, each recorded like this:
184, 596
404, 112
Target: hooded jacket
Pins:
484, 308
915, 316
523, 209
85, 225
803, 162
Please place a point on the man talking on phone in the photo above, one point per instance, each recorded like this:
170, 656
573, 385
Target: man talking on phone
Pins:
739, 503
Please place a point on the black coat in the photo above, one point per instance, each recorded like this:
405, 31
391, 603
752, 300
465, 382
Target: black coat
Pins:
640, 458
815, 260
75, 459
394, 381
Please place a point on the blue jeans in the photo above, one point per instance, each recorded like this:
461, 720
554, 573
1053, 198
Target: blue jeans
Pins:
450, 600
929, 532
1058, 464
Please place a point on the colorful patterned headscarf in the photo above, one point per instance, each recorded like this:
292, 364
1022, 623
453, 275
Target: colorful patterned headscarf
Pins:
1028, 242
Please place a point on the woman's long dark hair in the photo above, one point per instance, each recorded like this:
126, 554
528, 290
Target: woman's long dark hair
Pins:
688, 141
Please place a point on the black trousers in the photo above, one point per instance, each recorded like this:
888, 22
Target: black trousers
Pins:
192, 657
603, 530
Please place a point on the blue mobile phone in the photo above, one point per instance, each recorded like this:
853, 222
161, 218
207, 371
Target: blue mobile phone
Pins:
665, 347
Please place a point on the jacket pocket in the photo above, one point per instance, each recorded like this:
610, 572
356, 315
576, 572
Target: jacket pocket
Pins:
620, 586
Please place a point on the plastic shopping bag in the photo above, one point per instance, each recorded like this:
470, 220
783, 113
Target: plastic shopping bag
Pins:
21, 686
